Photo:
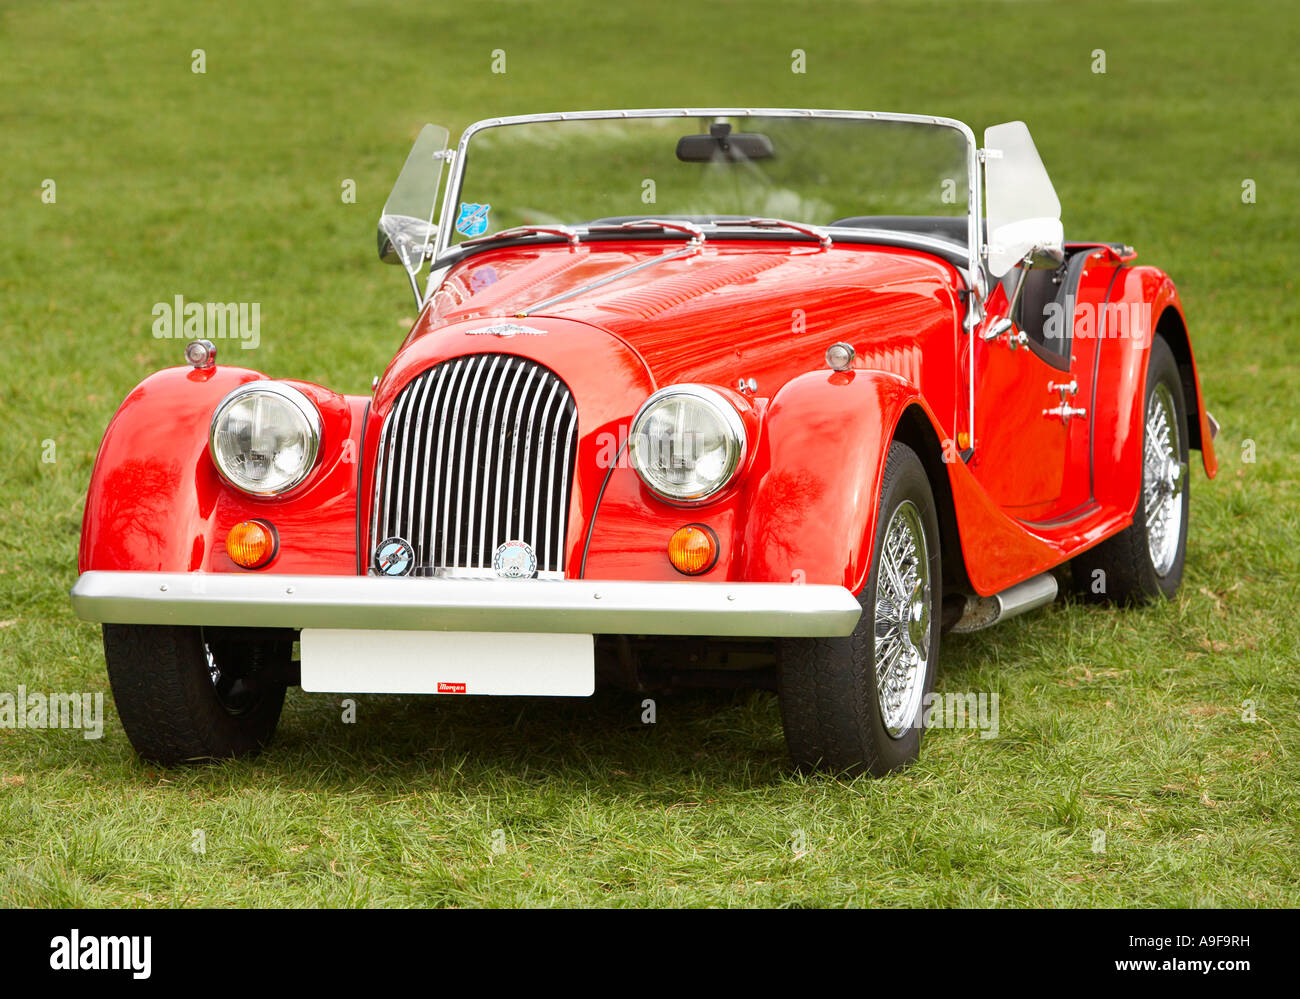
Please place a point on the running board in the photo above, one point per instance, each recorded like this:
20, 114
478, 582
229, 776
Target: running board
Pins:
984, 612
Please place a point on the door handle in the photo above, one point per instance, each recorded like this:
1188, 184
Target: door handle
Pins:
1065, 412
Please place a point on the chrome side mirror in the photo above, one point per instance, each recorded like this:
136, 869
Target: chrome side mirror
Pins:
1036, 257
1022, 209
405, 240
1036, 244
406, 229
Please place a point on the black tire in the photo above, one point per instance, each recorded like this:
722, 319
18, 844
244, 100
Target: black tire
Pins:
829, 705
176, 708
1128, 573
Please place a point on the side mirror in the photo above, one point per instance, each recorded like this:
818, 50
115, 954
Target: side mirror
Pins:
406, 228
1036, 243
1024, 214
1033, 244
405, 240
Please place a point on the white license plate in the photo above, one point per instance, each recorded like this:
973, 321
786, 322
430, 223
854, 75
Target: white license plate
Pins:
447, 662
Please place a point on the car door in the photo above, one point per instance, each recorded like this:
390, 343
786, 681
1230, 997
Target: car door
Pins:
1027, 389
1024, 378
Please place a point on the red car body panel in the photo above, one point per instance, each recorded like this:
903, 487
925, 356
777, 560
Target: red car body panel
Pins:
1034, 492
156, 502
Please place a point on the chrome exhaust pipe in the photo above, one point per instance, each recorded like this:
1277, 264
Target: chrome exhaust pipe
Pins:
984, 612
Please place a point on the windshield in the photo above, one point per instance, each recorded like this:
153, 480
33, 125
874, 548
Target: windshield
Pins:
704, 168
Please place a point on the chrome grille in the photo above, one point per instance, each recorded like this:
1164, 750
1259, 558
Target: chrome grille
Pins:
475, 452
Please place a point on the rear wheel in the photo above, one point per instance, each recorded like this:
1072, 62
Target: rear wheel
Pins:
187, 694
855, 704
1145, 560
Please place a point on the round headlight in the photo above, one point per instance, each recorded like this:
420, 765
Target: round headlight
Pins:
265, 437
687, 442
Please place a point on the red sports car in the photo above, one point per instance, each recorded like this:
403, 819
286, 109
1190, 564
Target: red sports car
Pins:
694, 396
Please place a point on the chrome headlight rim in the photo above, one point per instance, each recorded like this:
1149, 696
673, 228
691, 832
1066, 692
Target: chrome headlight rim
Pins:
300, 402
731, 418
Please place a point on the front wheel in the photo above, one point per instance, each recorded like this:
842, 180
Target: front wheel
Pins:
855, 704
187, 694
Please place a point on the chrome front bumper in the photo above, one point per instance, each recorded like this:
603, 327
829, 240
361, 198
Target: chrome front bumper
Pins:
575, 606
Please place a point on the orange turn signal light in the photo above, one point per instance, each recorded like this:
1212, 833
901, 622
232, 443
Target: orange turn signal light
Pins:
693, 549
252, 543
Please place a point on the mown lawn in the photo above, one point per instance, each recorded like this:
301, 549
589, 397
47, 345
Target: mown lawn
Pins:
225, 186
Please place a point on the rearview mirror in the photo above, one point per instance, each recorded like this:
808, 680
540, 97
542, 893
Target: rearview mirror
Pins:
723, 144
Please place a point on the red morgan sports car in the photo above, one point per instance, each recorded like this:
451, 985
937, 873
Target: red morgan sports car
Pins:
694, 396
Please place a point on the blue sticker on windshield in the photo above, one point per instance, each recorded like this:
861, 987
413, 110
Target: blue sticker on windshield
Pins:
472, 220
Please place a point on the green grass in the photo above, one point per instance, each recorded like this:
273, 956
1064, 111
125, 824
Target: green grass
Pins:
226, 187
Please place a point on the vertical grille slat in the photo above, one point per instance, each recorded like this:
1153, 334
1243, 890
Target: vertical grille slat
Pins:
392, 446
514, 454
542, 451
418, 463
477, 451
448, 491
493, 411
423, 540
561, 523
501, 449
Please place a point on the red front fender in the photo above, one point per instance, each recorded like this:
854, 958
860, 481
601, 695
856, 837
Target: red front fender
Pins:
156, 503
811, 498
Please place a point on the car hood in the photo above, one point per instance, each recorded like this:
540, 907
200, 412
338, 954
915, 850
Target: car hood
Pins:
734, 308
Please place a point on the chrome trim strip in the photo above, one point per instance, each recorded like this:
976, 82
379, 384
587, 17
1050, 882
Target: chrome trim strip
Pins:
463, 366
374, 493
407, 456
430, 458
394, 417
487, 449
566, 476
485, 383
374, 602
501, 447
514, 450
451, 374
550, 481
538, 462
417, 452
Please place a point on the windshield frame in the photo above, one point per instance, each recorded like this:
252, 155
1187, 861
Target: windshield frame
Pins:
973, 191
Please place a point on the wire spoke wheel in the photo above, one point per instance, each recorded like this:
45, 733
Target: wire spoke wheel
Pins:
1163, 477
851, 704
902, 626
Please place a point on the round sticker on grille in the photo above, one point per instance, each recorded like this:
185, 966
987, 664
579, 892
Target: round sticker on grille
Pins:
394, 557
515, 560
